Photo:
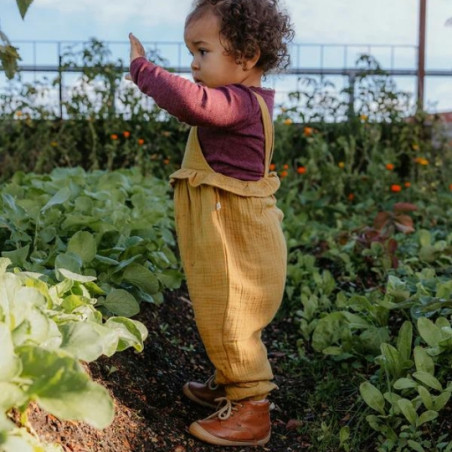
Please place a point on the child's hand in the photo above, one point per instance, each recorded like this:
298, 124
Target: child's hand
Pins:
136, 50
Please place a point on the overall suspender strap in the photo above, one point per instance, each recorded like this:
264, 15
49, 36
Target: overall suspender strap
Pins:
268, 132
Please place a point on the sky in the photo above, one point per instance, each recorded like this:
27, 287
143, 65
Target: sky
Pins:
338, 22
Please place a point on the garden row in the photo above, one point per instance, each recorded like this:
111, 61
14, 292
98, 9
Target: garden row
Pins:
80, 252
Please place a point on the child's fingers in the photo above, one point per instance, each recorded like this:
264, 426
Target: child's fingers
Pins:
136, 48
128, 77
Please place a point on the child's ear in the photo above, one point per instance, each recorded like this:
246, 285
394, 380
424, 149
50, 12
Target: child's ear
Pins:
251, 63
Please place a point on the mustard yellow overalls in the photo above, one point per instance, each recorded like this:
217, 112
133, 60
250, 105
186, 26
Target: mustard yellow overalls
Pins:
234, 256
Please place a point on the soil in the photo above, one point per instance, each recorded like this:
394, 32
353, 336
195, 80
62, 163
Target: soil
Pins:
152, 414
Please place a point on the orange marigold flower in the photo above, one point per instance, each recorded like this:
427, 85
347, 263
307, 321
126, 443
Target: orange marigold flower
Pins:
351, 196
283, 174
166, 161
308, 131
396, 188
286, 166
126, 134
421, 161
288, 122
301, 170
450, 187
364, 117
272, 167
407, 184
114, 136
140, 141
341, 165
389, 166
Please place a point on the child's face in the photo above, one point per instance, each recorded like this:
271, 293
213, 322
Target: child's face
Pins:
211, 65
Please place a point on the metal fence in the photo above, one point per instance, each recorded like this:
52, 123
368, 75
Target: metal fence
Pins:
307, 59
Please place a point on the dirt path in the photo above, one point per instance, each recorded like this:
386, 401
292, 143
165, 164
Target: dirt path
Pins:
151, 412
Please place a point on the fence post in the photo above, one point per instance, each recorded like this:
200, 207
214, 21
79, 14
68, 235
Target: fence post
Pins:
60, 87
351, 98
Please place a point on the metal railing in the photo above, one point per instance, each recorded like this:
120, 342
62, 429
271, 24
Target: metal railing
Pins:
318, 58
308, 59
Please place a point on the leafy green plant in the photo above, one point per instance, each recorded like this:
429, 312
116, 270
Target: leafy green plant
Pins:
414, 397
45, 331
112, 226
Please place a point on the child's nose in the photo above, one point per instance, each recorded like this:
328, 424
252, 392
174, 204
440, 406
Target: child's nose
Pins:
194, 64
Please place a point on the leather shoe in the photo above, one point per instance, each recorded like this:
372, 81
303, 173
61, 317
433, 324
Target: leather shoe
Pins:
204, 393
244, 423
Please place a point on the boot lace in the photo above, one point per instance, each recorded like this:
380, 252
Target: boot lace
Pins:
210, 383
226, 410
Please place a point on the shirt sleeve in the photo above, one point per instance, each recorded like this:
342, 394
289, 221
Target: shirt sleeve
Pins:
225, 107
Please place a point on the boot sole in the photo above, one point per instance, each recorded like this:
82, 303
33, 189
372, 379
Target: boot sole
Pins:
197, 431
193, 398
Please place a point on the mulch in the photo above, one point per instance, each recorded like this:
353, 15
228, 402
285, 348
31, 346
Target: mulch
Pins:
151, 412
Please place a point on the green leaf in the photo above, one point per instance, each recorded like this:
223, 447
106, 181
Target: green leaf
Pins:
87, 341
444, 290
75, 276
10, 396
9, 58
18, 256
83, 244
405, 383
392, 360
356, 321
428, 379
415, 446
344, 435
10, 365
397, 289
122, 303
426, 397
60, 197
4, 264
426, 416
429, 331
171, 279
424, 362
393, 399
440, 401
404, 340
373, 337
372, 396
333, 351
378, 425
131, 333
68, 261
61, 387
90, 403
328, 331
425, 238
141, 277
23, 6
406, 407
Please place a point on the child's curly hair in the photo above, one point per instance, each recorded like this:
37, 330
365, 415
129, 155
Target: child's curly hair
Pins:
250, 26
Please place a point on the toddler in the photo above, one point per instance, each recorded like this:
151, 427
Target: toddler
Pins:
228, 226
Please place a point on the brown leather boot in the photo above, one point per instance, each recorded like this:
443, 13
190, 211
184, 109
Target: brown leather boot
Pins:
244, 423
204, 393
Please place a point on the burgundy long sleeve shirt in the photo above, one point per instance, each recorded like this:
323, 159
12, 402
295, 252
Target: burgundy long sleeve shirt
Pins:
229, 121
